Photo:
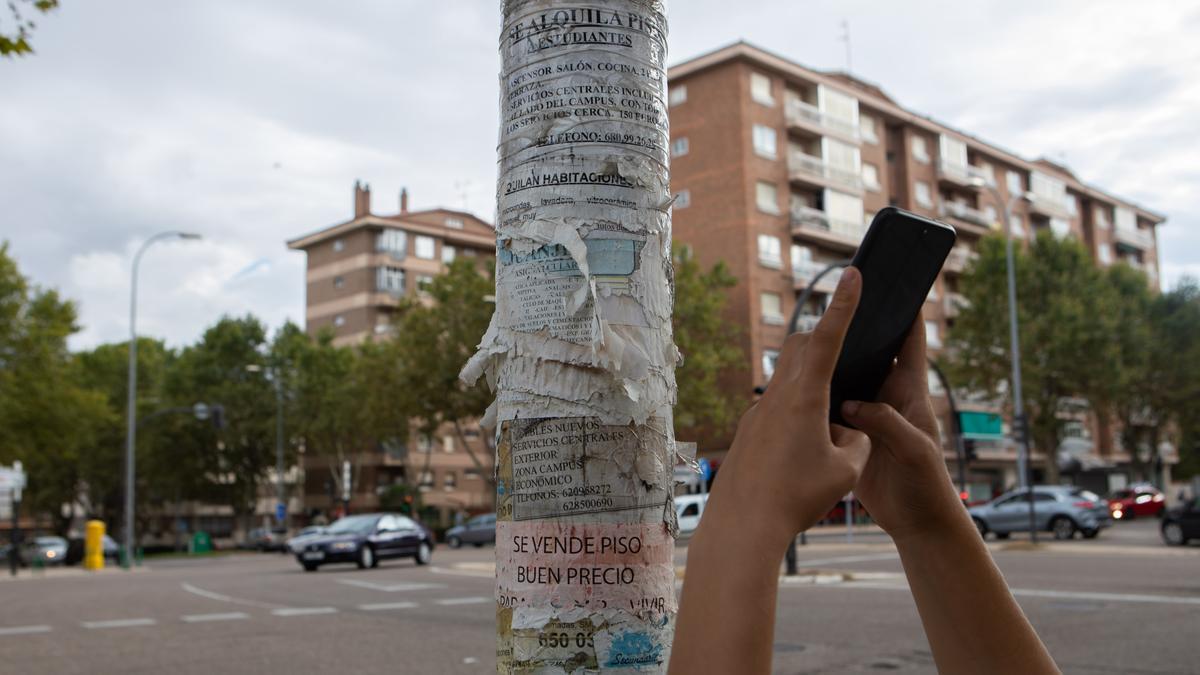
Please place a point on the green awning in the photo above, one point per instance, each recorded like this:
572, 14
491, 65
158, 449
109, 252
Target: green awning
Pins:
981, 425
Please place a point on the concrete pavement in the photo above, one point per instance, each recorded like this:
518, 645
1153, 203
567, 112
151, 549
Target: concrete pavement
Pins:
1122, 603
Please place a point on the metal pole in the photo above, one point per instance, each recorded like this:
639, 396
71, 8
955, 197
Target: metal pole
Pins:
131, 395
14, 536
956, 425
793, 324
1019, 422
280, 488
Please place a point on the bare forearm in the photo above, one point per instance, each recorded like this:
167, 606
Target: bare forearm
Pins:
726, 619
971, 619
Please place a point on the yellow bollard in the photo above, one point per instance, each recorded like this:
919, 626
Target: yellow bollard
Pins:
93, 545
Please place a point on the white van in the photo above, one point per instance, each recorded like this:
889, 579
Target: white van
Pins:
688, 509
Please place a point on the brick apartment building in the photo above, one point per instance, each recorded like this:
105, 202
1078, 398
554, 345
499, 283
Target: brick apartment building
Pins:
778, 169
357, 274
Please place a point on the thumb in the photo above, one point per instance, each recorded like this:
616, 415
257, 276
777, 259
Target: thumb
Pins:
881, 422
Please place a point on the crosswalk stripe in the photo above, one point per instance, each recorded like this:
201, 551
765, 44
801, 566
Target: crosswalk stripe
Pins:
224, 616
24, 630
303, 611
384, 606
119, 623
463, 601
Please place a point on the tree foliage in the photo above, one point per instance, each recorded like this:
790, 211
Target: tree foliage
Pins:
14, 40
708, 344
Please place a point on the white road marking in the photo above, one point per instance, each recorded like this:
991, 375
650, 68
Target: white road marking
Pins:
1057, 595
384, 606
470, 659
118, 623
225, 616
303, 611
481, 573
24, 630
850, 559
473, 600
389, 588
225, 598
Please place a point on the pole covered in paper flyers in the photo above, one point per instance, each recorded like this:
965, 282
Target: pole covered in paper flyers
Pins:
579, 351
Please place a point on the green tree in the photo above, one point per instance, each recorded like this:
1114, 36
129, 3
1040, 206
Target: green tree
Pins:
14, 41
1175, 360
1066, 322
47, 419
708, 344
434, 337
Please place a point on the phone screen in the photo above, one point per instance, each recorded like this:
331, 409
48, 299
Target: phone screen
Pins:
899, 258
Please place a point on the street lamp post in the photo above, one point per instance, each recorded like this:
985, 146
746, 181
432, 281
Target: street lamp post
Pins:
1019, 423
280, 489
131, 397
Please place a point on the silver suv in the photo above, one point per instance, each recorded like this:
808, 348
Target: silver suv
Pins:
1060, 509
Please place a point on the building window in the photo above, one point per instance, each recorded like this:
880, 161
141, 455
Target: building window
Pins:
1016, 225
468, 252
1072, 205
922, 194
1013, 181
1104, 253
426, 479
450, 480
866, 128
338, 245
845, 213
1125, 219
760, 89
679, 147
920, 149
448, 443
448, 253
677, 95
801, 260
392, 241
1060, 227
424, 442
766, 196
843, 162
424, 247
1101, 217
383, 324
989, 173
424, 281
471, 474
989, 214
870, 175
683, 199
769, 358
934, 383
456, 223
764, 141
1048, 188
339, 321
770, 251
772, 308
932, 337
339, 281
389, 280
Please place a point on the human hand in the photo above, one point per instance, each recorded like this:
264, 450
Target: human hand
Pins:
788, 464
905, 486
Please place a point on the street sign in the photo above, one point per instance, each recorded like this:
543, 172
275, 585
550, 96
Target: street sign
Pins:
705, 468
981, 425
280, 511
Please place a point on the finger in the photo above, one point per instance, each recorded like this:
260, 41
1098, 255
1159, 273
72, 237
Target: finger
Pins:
881, 422
791, 356
821, 354
854, 445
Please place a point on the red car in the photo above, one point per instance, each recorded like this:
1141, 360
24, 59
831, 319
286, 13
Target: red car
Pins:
1136, 501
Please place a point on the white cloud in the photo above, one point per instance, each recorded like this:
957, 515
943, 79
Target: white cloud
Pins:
249, 122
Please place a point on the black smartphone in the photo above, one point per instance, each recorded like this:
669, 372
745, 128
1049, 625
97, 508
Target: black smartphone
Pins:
899, 259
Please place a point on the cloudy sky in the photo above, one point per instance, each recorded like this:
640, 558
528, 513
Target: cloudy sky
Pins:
248, 122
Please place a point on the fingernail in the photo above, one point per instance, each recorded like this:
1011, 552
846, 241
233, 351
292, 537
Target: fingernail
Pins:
850, 408
850, 278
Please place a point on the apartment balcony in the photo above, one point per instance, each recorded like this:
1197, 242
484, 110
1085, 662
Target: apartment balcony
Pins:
812, 171
973, 217
803, 116
1047, 206
1139, 238
804, 273
953, 304
959, 258
959, 174
815, 224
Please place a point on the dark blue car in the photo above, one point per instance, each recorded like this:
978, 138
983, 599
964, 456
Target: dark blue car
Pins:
365, 540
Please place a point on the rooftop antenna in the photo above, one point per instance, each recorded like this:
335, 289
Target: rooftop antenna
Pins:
464, 188
845, 37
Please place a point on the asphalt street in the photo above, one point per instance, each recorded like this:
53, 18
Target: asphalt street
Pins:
1123, 603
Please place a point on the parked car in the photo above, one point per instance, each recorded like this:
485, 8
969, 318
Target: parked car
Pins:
296, 543
688, 510
365, 540
479, 530
267, 539
1182, 523
76, 549
45, 551
1060, 509
1136, 501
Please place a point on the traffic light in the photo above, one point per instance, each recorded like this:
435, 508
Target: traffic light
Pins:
969, 449
217, 413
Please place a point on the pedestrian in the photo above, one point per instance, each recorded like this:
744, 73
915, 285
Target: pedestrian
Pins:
788, 463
